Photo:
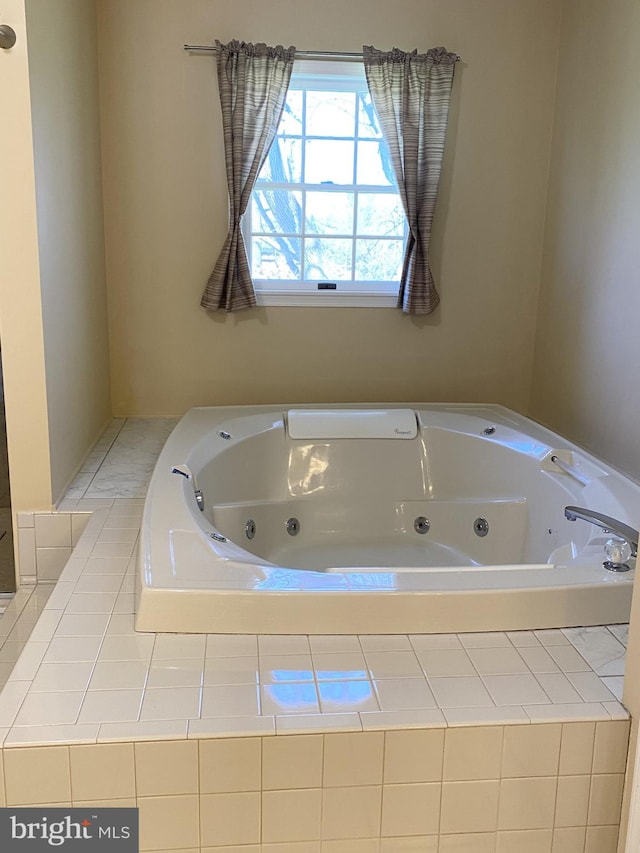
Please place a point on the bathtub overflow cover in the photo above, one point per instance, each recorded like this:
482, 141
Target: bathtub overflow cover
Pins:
481, 526
421, 524
250, 529
293, 526
488, 430
224, 434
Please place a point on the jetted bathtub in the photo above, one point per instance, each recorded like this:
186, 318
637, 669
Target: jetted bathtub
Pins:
385, 519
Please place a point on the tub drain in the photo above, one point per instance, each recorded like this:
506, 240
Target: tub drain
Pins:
421, 524
481, 526
293, 526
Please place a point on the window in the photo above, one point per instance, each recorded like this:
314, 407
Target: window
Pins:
325, 224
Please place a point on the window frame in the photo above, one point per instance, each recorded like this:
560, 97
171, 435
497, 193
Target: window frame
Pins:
342, 75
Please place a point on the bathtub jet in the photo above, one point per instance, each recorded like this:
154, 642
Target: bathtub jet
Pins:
386, 519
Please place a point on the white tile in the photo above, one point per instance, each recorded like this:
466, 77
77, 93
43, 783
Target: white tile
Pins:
287, 698
77, 625
127, 648
590, 687
616, 711
486, 639
557, 687
148, 730
597, 645
279, 644
515, 689
464, 691
614, 683
552, 637
393, 664
620, 632
418, 718
435, 641
281, 669
446, 662
231, 645
176, 673
231, 670
116, 550
70, 649
169, 646
11, 698
505, 716
497, 661
30, 659
330, 666
248, 726
230, 701
60, 677
346, 696
324, 644
52, 530
385, 642
91, 602
105, 567
568, 659
523, 639
48, 735
318, 723
121, 624
105, 706
119, 675
99, 583
570, 712
170, 703
398, 694
49, 709
538, 659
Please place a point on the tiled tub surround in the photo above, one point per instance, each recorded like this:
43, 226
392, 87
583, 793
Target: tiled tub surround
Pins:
299, 744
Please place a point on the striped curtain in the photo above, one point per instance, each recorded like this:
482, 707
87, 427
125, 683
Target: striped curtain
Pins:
411, 93
252, 81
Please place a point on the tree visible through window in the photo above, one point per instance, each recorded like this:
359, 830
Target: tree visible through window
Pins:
325, 208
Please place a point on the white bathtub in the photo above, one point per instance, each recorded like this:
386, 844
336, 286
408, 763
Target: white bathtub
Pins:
376, 534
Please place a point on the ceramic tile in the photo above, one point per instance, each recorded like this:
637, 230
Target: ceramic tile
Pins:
346, 696
230, 765
148, 730
281, 669
113, 675
110, 706
552, 637
116, 648
51, 735
497, 661
558, 687
292, 762
515, 689
295, 724
70, 649
331, 643
294, 698
49, 709
421, 642
283, 645
232, 700
465, 691
411, 809
176, 673
615, 685
523, 639
384, 642
418, 718
507, 715
446, 662
538, 659
616, 710
170, 703
60, 677
393, 664
169, 646
331, 666
243, 726
486, 639
231, 670
602, 651
395, 694
590, 687
568, 712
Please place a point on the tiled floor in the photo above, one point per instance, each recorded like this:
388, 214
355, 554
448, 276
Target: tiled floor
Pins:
85, 676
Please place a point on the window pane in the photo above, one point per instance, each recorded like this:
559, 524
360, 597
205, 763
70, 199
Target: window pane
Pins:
378, 260
327, 259
275, 258
374, 164
367, 117
380, 214
328, 162
291, 121
329, 213
331, 113
284, 162
276, 211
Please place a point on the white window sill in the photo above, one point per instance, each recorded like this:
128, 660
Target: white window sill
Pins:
326, 298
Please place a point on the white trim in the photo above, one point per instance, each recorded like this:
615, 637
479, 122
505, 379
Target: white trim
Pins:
325, 298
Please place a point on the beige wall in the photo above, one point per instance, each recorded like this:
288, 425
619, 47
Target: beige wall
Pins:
585, 380
21, 329
166, 206
66, 140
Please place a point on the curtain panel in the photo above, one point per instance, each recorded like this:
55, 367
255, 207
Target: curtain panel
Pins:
252, 82
411, 94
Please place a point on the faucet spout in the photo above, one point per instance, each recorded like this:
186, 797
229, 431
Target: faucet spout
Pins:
606, 523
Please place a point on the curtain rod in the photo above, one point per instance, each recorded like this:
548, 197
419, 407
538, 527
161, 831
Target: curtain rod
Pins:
300, 54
